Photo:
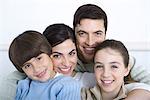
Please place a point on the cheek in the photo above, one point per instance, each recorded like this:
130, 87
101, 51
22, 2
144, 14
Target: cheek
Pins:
75, 58
99, 40
119, 76
29, 73
50, 65
56, 63
97, 74
80, 40
74, 61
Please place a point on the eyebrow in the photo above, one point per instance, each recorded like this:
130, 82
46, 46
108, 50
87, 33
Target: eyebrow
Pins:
72, 51
61, 53
57, 53
110, 62
98, 31
97, 62
87, 32
114, 62
81, 31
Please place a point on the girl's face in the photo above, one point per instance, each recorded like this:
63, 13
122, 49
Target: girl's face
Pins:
109, 70
64, 57
39, 68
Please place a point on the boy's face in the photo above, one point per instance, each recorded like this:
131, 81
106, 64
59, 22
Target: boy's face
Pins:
89, 33
64, 57
39, 68
109, 70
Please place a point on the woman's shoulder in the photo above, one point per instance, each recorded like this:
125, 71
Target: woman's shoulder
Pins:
8, 84
16, 75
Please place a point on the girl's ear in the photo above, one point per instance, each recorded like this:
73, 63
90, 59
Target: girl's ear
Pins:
127, 70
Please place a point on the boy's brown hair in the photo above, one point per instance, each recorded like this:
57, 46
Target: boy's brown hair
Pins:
27, 45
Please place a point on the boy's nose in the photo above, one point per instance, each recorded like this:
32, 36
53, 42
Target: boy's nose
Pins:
36, 66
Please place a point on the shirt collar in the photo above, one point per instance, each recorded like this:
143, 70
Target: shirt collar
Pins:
97, 93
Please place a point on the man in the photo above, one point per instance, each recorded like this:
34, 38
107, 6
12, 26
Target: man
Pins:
90, 26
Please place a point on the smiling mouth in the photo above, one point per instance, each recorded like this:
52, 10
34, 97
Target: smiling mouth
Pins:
65, 69
89, 50
41, 74
107, 82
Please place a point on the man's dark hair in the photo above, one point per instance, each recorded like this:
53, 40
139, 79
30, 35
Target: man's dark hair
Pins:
89, 11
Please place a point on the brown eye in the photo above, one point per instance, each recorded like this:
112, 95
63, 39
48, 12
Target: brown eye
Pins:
98, 33
82, 34
39, 58
72, 53
99, 66
27, 66
114, 66
56, 56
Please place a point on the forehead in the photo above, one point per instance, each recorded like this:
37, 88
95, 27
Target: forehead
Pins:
64, 47
109, 54
91, 25
33, 58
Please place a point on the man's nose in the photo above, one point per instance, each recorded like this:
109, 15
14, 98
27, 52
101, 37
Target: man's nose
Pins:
90, 40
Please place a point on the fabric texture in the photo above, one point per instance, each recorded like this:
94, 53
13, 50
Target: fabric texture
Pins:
86, 79
140, 73
133, 86
8, 85
59, 88
81, 67
95, 94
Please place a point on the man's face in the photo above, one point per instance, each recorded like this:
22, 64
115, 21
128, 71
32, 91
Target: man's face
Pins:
89, 33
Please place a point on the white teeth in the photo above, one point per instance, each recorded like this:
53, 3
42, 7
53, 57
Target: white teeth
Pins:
65, 69
89, 48
107, 81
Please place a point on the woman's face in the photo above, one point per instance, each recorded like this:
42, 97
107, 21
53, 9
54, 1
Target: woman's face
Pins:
64, 57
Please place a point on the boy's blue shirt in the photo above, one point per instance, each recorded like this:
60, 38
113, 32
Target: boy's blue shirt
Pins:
58, 88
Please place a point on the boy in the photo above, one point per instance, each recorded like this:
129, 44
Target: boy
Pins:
30, 53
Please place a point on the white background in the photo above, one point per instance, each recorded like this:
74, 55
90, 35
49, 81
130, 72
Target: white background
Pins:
128, 21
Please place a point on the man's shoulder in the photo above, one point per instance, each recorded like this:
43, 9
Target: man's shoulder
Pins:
82, 67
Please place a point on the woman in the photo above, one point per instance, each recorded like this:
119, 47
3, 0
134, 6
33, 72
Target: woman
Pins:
64, 54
